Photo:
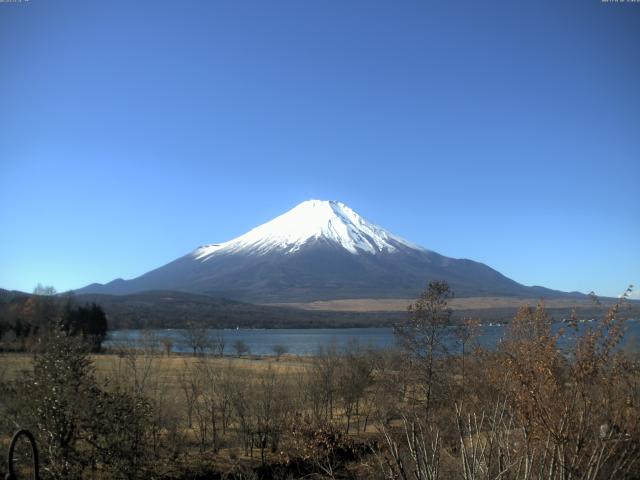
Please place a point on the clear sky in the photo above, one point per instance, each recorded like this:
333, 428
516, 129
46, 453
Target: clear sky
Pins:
507, 132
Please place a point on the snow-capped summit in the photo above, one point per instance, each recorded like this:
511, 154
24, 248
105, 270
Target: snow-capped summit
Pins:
313, 220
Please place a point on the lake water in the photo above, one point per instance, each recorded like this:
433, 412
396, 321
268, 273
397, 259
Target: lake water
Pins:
307, 341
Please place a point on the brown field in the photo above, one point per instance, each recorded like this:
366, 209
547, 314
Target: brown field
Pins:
401, 304
12, 364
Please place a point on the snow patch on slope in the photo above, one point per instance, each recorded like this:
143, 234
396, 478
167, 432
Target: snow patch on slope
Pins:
311, 220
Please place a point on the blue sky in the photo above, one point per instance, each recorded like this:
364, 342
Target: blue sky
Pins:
505, 132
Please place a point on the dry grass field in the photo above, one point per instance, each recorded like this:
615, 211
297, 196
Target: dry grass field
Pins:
108, 365
468, 303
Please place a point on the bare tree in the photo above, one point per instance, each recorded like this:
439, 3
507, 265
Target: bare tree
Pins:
198, 338
241, 347
167, 345
270, 410
44, 290
279, 350
209, 402
322, 382
354, 376
188, 382
465, 333
424, 333
218, 342
241, 401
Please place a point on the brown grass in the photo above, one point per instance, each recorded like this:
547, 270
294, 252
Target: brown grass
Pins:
401, 304
12, 364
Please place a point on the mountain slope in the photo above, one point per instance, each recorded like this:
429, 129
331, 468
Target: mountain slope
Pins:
319, 250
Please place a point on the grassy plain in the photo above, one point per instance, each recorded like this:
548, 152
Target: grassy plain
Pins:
13, 364
467, 303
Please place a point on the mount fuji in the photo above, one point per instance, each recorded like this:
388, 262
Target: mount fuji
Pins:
319, 250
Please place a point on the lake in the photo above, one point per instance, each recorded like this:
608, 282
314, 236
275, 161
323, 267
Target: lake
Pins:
300, 341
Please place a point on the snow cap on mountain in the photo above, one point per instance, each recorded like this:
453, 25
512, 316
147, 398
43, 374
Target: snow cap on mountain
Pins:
312, 220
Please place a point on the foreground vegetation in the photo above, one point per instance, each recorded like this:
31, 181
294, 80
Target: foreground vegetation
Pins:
528, 410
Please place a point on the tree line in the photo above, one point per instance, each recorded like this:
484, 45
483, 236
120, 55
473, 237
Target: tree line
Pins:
24, 319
